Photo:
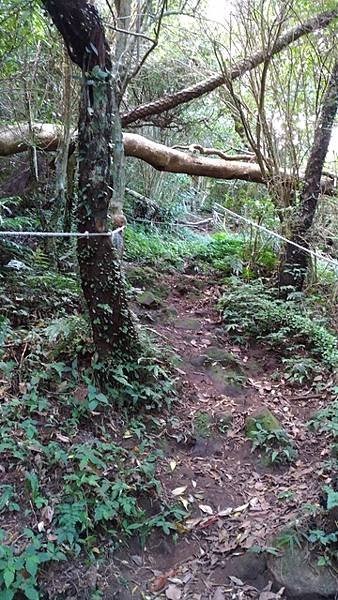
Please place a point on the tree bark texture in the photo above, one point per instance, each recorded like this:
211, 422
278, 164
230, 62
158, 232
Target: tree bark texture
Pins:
238, 69
113, 327
295, 263
14, 139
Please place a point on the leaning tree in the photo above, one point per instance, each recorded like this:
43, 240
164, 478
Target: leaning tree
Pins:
295, 263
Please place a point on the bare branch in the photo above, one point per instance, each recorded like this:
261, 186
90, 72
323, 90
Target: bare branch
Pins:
208, 85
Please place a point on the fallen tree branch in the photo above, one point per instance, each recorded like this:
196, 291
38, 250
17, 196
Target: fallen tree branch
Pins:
193, 148
16, 138
170, 101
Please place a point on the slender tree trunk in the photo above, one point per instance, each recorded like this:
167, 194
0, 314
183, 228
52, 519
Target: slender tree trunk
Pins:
124, 11
295, 263
113, 327
61, 164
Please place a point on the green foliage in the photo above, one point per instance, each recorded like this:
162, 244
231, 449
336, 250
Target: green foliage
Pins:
33, 487
202, 424
68, 336
143, 384
84, 490
224, 253
102, 486
29, 297
151, 245
7, 498
300, 369
19, 569
331, 497
326, 545
233, 254
276, 445
326, 420
253, 312
11, 222
289, 537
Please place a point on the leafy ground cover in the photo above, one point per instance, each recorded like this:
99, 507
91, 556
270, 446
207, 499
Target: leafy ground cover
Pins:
164, 499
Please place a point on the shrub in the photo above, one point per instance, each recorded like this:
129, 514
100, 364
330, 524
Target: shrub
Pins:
253, 312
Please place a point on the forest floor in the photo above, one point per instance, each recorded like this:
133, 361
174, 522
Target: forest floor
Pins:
235, 502
59, 453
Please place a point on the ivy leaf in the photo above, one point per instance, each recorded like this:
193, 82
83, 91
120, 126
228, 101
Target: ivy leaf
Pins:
32, 562
332, 497
9, 576
30, 592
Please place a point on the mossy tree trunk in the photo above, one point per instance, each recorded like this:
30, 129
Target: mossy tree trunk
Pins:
114, 331
295, 261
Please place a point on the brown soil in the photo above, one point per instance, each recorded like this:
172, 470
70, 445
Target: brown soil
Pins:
208, 559
233, 501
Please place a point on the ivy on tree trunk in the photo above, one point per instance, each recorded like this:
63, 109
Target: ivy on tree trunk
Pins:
113, 327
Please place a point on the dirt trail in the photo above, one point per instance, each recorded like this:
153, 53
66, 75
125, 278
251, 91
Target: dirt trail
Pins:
208, 462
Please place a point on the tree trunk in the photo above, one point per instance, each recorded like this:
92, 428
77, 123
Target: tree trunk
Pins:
295, 262
61, 163
13, 139
114, 331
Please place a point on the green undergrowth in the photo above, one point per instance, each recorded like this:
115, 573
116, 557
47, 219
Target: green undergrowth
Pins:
79, 463
235, 255
325, 422
79, 468
252, 312
72, 488
224, 252
314, 529
151, 245
276, 445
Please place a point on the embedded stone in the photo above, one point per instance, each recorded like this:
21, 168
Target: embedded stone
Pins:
192, 324
298, 572
149, 300
265, 418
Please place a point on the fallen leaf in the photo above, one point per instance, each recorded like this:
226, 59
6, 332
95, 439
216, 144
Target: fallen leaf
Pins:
173, 465
240, 509
192, 523
81, 393
180, 371
226, 512
63, 438
218, 595
47, 513
179, 491
208, 521
206, 509
159, 583
236, 580
173, 592
185, 503
267, 594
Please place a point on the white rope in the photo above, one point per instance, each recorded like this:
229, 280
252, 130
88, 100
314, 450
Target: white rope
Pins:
234, 215
318, 255
63, 234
